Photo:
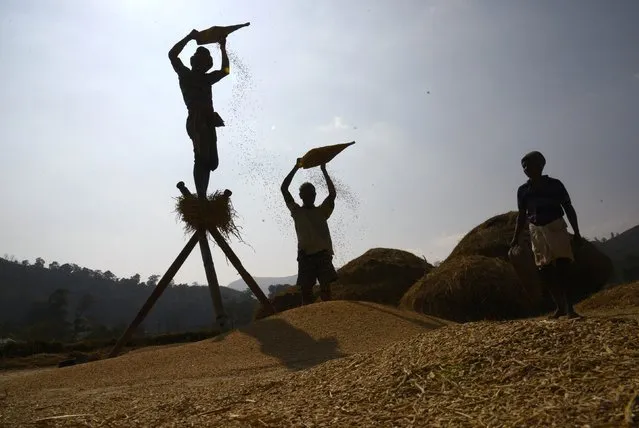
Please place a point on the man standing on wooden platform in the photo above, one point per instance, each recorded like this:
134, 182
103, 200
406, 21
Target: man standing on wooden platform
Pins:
202, 119
314, 244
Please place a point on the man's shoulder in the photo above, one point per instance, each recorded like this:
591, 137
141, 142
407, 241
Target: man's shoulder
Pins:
551, 181
523, 188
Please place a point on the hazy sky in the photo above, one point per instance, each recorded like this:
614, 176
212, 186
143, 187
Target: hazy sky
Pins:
93, 141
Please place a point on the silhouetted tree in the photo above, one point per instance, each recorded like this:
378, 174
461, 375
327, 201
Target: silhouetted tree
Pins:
153, 280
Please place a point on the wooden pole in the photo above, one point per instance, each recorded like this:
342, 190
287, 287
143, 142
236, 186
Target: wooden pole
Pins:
248, 279
211, 276
234, 259
159, 288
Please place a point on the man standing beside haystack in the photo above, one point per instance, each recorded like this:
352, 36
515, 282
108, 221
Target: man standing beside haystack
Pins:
542, 201
314, 245
202, 119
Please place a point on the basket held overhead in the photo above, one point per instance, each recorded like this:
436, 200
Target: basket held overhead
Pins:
216, 33
321, 155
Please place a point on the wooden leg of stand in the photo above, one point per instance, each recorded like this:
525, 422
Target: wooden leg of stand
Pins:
235, 261
159, 288
211, 278
237, 264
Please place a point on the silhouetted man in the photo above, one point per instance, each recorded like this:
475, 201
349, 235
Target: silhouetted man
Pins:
542, 201
202, 119
314, 245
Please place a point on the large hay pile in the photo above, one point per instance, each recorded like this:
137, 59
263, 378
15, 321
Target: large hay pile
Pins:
216, 212
470, 288
380, 275
491, 240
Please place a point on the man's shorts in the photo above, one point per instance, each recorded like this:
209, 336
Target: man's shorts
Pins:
551, 242
200, 125
315, 267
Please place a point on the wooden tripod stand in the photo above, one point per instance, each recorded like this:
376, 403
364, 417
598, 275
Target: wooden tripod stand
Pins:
214, 287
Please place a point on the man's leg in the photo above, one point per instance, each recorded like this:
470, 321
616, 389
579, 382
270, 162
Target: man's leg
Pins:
204, 139
565, 284
548, 275
305, 278
327, 275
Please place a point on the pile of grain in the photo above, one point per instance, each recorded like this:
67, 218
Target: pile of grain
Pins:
290, 341
516, 373
620, 298
523, 373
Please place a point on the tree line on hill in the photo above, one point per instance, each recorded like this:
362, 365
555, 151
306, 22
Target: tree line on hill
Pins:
66, 302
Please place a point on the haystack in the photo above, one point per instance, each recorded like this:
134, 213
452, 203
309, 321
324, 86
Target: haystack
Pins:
472, 288
492, 239
216, 212
380, 275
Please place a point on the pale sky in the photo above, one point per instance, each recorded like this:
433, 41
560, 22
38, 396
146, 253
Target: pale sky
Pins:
93, 138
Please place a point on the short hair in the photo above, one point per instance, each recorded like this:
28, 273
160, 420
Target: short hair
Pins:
204, 53
308, 186
535, 156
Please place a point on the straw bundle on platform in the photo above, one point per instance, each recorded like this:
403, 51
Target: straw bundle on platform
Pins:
216, 212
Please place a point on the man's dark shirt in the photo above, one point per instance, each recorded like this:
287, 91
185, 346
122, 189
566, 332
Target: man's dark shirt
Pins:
196, 87
543, 201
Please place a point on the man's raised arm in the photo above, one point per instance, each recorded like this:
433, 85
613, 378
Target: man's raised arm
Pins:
225, 69
286, 184
175, 51
332, 193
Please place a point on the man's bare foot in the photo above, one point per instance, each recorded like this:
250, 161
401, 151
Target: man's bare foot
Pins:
573, 315
555, 315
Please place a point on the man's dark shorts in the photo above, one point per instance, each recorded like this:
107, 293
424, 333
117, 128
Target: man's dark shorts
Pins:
200, 125
314, 267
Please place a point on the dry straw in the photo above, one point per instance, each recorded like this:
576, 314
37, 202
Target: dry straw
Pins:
471, 288
216, 212
528, 373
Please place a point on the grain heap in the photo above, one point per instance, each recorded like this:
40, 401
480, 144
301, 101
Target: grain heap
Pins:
118, 391
533, 373
619, 299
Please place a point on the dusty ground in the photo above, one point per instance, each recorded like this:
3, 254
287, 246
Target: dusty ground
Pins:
355, 364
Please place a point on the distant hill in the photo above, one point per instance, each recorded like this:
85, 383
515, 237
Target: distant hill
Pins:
264, 282
33, 298
623, 250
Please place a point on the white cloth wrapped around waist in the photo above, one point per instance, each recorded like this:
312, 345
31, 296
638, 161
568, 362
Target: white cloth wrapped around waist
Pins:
551, 242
